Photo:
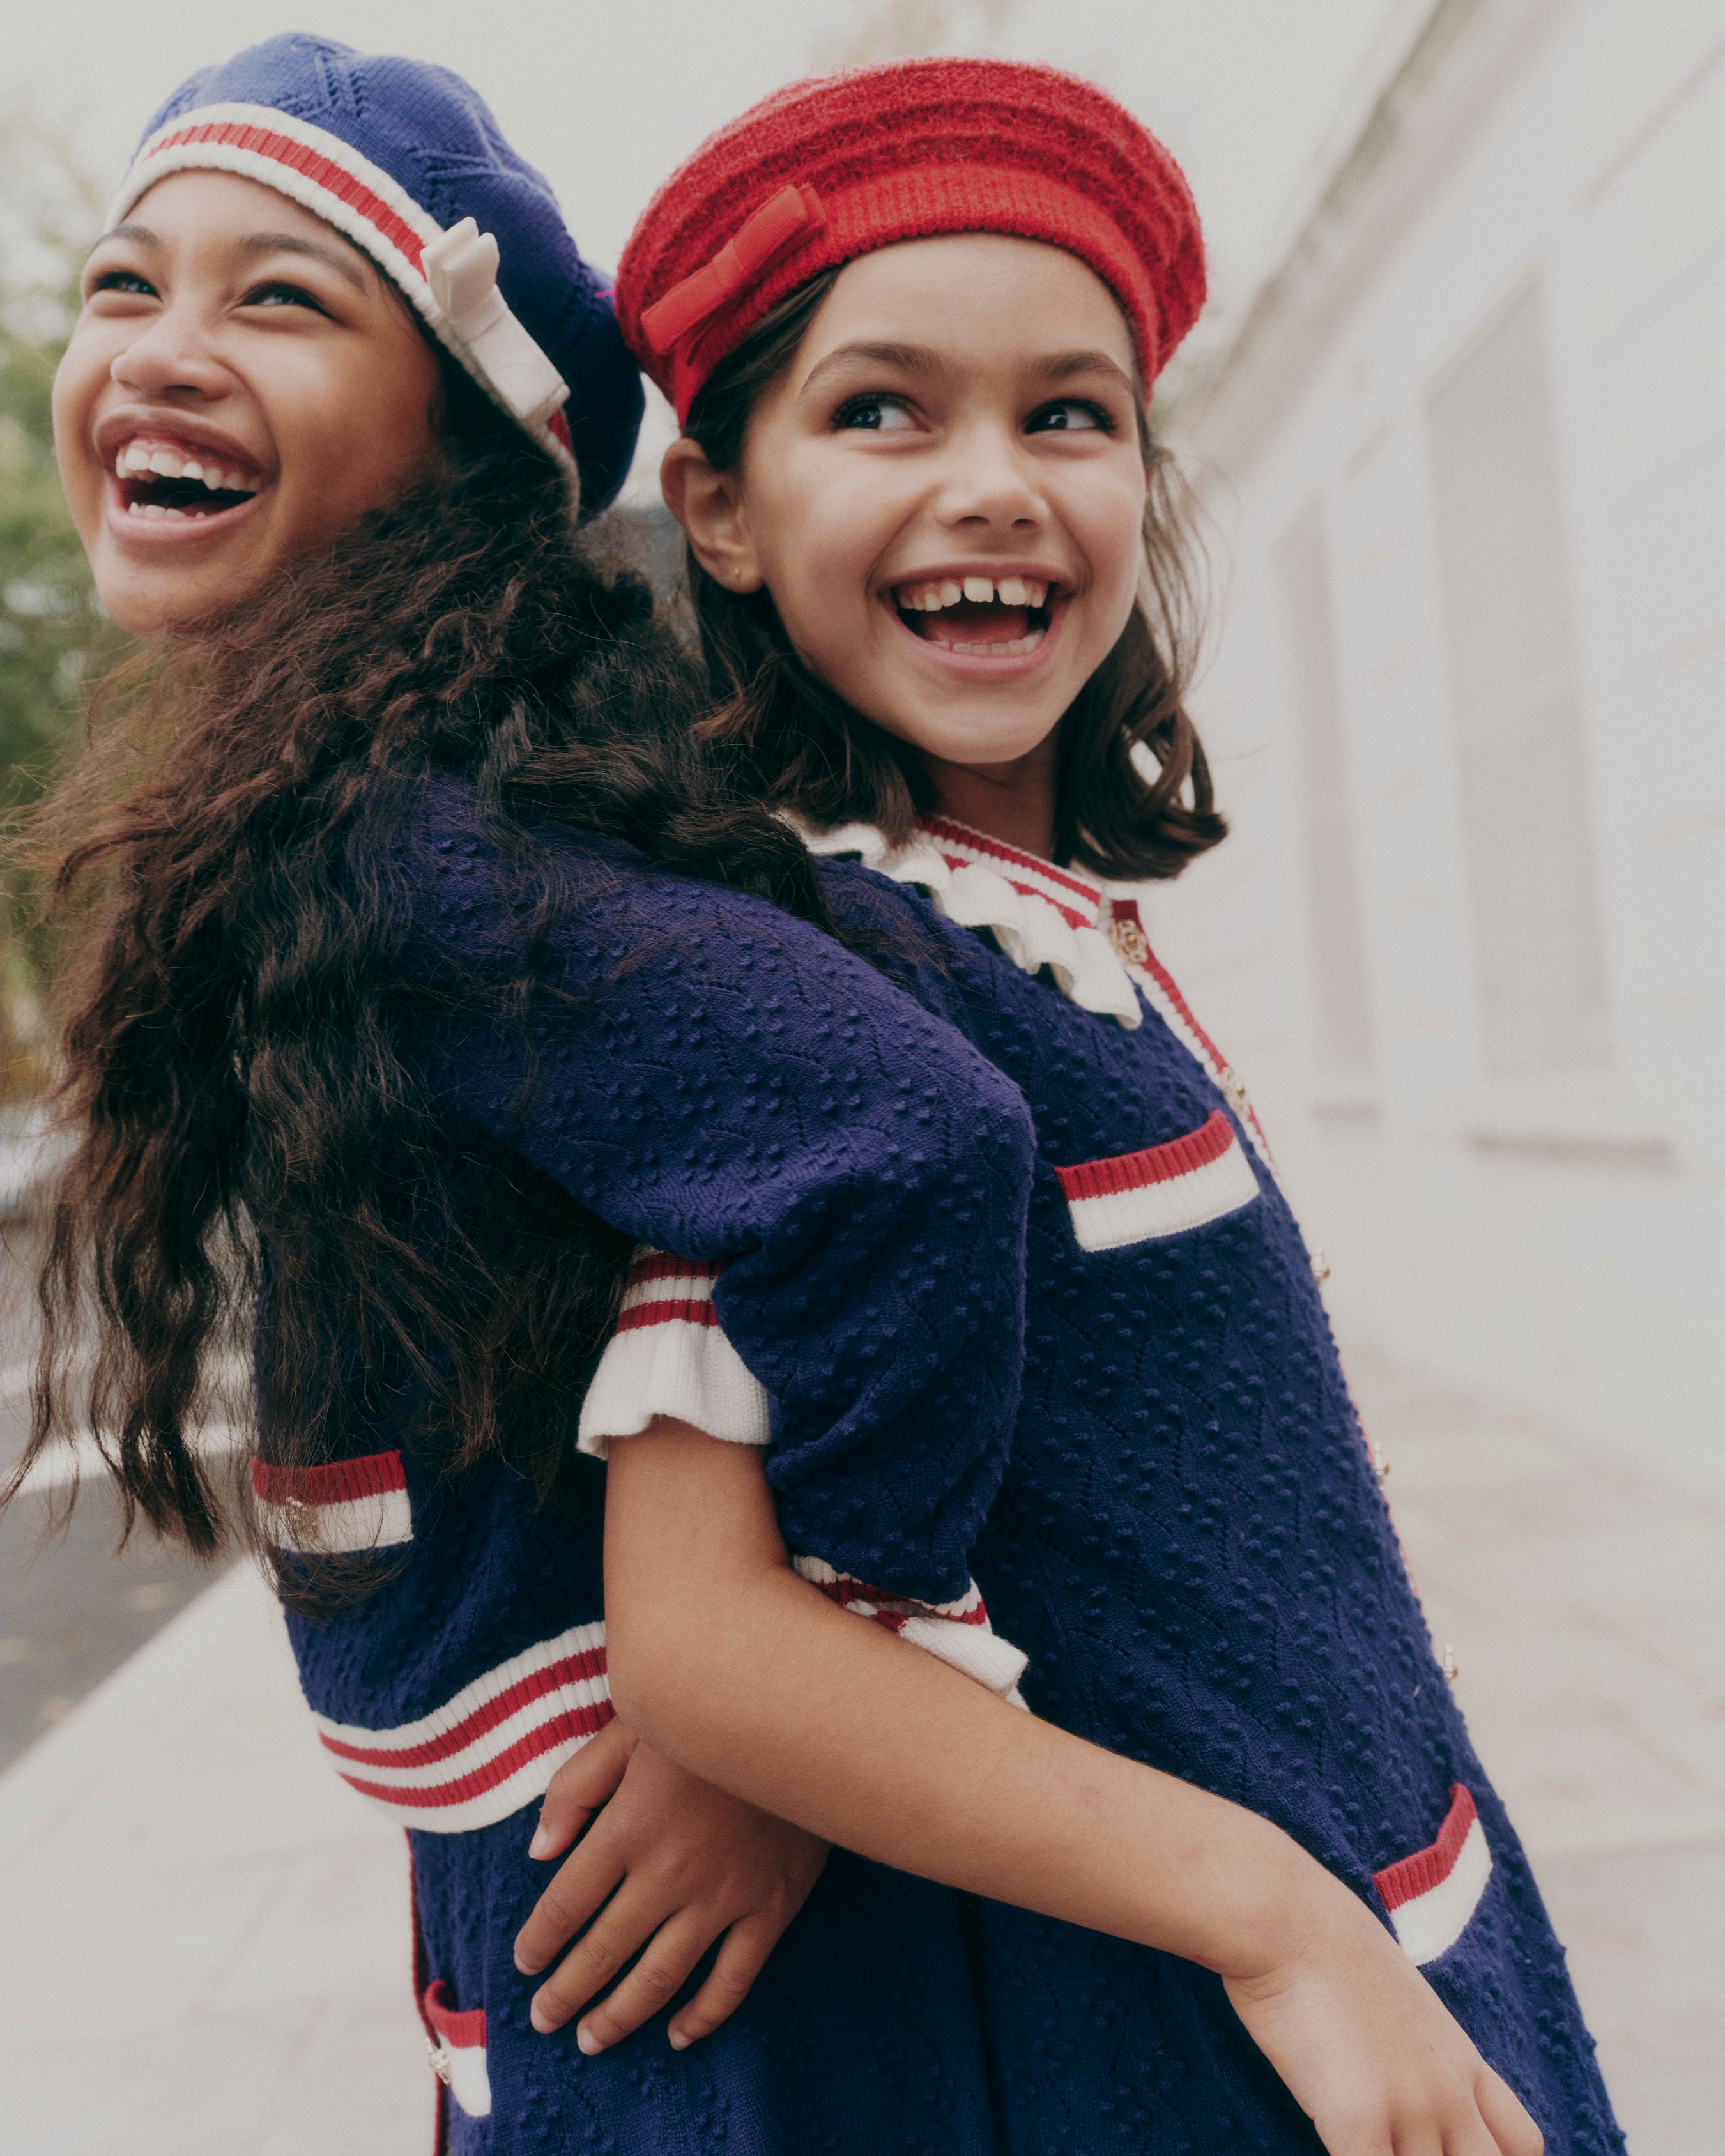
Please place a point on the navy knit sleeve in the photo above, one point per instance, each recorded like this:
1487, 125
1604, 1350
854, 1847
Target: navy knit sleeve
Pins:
719, 1080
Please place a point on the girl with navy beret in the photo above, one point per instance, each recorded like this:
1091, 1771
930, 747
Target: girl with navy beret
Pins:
341, 388
1048, 1396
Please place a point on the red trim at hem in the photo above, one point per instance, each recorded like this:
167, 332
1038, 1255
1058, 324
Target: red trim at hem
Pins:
574, 1668
578, 1721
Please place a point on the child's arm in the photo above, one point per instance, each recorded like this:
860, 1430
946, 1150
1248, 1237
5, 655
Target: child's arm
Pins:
669, 1864
725, 1661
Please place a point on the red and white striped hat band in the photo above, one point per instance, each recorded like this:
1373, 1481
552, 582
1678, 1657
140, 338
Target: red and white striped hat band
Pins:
450, 278
1432, 1895
1163, 1190
491, 1748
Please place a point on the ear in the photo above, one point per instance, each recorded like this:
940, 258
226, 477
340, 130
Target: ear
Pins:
709, 505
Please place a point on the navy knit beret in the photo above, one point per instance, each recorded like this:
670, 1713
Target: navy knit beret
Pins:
407, 162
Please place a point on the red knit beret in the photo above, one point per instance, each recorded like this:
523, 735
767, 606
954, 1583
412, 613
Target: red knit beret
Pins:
827, 170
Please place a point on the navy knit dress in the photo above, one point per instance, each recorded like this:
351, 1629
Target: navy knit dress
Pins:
991, 1254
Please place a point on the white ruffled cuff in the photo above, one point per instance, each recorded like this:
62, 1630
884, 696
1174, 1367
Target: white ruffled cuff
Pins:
669, 1357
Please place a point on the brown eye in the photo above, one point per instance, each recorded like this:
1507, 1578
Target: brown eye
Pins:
875, 414
277, 295
1070, 415
122, 280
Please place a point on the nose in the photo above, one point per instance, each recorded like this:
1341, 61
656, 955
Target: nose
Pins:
986, 483
173, 354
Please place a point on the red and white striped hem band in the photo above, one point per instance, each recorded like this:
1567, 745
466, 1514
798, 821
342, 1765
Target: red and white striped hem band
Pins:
1432, 1895
1163, 1190
669, 1355
340, 1510
343, 188
491, 1748
957, 1633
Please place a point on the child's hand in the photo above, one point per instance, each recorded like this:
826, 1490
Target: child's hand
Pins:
669, 1860
1371, 2053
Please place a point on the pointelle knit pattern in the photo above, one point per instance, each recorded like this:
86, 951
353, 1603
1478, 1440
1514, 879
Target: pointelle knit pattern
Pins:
1135, 1450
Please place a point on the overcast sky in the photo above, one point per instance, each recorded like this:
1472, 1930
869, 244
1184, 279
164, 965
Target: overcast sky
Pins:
606, 95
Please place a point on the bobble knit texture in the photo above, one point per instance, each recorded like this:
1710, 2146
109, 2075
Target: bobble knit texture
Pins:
909, 151
1145, 1455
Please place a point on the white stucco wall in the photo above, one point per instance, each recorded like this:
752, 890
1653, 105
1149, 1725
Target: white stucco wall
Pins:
1559, 1236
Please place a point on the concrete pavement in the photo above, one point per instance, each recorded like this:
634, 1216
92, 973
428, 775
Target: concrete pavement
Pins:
206, 1949
206, 1936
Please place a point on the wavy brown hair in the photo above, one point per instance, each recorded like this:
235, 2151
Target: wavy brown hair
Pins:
1133, 796
232, 988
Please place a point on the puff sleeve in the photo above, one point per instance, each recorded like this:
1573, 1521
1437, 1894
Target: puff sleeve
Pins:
844, 1179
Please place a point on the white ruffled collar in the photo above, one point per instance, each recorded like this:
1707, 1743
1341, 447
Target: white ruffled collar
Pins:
1089, 938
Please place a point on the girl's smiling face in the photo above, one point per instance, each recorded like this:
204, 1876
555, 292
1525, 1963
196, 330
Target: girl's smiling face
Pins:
241, 386
943, 492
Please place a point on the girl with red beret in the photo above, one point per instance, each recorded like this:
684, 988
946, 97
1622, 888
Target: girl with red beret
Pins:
1055, 1405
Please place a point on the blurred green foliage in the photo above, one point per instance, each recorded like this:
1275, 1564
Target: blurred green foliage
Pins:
49, 617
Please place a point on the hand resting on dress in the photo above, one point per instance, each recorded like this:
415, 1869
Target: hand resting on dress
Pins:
667, 1865
721, 1657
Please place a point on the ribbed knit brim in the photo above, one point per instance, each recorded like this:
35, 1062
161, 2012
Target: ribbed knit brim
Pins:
398, 155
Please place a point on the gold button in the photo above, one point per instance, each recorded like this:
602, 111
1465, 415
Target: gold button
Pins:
1129, 940
1320, 1266
1448, 1664
1380, 1464
440, 2061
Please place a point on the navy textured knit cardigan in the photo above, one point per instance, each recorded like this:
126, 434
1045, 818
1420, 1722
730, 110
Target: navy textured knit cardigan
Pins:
992, 1256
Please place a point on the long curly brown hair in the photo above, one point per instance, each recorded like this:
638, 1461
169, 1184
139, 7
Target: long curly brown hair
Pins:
232, 990
1133, 795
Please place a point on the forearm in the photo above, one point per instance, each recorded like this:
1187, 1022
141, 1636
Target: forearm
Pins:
732, 1665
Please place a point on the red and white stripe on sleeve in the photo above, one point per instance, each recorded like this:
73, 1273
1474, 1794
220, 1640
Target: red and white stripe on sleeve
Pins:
669, 1355
958, 1633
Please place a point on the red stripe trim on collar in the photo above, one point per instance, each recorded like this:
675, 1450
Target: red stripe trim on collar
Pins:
1070, 880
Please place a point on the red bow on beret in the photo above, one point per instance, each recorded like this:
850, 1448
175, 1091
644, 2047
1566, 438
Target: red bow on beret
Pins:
741, 261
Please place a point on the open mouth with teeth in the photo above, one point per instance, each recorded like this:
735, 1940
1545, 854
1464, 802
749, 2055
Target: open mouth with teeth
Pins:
990, 618
159, 481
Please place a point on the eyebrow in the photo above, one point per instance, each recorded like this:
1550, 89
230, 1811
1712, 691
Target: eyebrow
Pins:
922, 359
910, 358
1066, 365
349, 264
